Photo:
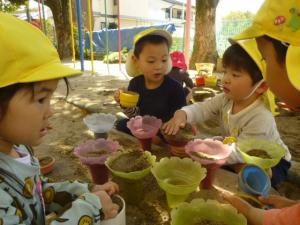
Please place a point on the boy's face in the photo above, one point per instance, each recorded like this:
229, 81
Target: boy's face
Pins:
237, 84
26, 119
153, 61
276, 77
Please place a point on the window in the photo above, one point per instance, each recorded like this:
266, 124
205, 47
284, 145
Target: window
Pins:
167, 13
177, 13
102, 25
115, 2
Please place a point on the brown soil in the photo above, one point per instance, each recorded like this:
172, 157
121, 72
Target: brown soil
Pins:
183, 135
117, 201
200, 94
259, 153
202, 155
209, 222
95, 153
69, 131
130, 162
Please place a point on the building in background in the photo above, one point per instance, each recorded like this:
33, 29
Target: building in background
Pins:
141, 13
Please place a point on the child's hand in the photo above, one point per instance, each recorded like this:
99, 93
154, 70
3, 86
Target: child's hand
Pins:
173, 125
109, 208
238, 203
117, 94
253, 215
109, 187
277, 201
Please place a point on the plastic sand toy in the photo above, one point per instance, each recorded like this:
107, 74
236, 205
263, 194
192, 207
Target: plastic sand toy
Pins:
210, 212
178, 178
93, 153
129, 99
254, 180
100, 123
130, 167
209, 153
263, 153
144, 128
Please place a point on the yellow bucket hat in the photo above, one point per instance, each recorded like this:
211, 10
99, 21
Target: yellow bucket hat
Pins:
26, 54
250, 47
279, 20
131, 68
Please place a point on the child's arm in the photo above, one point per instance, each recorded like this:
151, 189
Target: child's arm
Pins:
75, 201
87, 209
284, 216
195, 113
173, 125
278, 202
109, 187
253, 215
9, 213
202, 111
57, 195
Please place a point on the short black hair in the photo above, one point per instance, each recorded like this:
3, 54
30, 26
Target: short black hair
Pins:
152, 39
280, 49
8, 92
236, 57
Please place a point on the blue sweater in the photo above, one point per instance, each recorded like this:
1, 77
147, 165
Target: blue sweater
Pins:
161, 102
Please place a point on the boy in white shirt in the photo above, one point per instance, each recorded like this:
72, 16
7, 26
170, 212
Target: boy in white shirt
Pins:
240, 109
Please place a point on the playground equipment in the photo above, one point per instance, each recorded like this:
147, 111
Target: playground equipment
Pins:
42, 18
80, 35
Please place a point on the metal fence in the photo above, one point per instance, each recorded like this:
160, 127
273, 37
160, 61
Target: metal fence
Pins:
227, 29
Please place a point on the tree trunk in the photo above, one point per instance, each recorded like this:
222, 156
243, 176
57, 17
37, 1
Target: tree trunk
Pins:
204, 49
60, 11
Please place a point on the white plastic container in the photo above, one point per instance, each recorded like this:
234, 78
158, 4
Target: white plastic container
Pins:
120, 219
99, 122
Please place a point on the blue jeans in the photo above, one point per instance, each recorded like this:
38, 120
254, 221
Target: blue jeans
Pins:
280, 172
121, 125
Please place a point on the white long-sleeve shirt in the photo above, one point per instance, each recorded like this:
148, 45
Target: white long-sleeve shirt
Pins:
255, 121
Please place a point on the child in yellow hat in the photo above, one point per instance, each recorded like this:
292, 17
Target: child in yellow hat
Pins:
276, 28
149, 62
240, 110
29, 72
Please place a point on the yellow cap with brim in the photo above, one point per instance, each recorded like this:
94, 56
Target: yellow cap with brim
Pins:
130, 66
250, 47
27, 55
281, 21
